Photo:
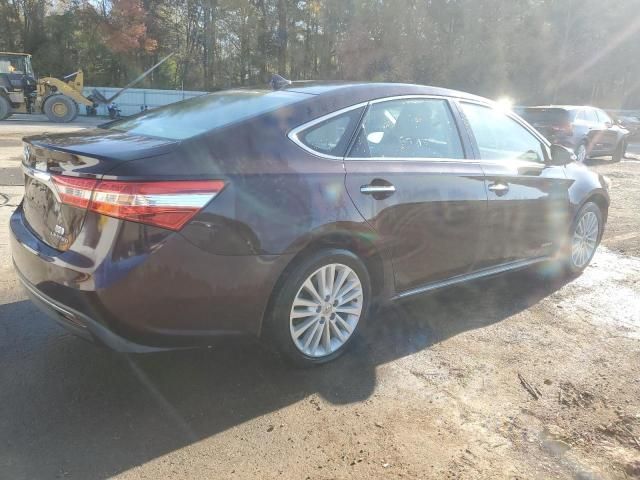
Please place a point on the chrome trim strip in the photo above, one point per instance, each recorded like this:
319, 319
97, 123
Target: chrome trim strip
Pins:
293, 134
412, 159
486, 272
42, 177
377, 189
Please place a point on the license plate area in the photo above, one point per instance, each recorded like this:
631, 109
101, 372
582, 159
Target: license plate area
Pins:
55, 224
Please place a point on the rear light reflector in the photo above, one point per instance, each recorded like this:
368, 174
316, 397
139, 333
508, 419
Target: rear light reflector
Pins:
167, 204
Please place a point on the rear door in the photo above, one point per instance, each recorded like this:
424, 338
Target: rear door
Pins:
408, 176
597, 132
528, 204
610, 133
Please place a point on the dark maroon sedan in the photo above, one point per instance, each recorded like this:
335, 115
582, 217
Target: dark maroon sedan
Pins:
283, 213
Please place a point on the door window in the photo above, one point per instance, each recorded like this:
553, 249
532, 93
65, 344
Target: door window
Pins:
499, 137
603, 117
332, 135
409, 128
591, 116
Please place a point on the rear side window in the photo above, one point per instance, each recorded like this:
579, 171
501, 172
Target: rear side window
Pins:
331, 136
192, 117
500, 137
410, 128
545, 116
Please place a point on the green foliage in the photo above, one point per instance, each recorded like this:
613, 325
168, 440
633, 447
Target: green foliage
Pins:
534, 51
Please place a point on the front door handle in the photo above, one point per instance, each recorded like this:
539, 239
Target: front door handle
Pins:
499, 188
371, 189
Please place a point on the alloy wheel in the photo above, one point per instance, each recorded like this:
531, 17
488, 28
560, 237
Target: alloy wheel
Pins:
585, 239
326, 310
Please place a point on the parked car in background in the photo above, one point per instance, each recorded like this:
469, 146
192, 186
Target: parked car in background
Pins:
629, 122
588, 131
283, 214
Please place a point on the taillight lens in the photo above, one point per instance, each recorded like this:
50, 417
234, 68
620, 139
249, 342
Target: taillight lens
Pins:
167, 204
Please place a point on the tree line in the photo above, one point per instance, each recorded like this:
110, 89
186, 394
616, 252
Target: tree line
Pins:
534, 51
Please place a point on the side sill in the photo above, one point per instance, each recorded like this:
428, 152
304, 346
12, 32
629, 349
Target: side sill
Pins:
467, 277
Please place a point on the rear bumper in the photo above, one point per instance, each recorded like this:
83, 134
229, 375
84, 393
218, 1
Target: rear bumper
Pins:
134, 296
80, 324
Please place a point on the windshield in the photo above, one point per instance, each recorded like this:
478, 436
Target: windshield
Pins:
205, 113
15, 64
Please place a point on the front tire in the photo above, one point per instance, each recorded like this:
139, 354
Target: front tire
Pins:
584, 237
60, 108
319, 307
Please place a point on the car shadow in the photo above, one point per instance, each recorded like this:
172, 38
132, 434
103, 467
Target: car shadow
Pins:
69, 405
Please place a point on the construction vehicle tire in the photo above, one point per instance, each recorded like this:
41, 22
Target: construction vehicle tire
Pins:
60, 108
5, 107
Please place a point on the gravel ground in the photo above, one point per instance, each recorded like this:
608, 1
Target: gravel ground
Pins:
431, 389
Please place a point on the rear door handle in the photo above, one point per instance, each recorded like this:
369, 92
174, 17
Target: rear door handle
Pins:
371, 189
499, 188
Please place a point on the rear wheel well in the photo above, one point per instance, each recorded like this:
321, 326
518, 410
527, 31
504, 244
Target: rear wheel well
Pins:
602, 204
360, 247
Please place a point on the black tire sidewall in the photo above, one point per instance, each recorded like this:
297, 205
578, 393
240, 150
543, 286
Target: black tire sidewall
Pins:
5, 107
587, 207
277, 325
71, 104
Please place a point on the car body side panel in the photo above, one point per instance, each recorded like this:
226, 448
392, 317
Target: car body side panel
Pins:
586, 185
529, 219
147, 284
434, 222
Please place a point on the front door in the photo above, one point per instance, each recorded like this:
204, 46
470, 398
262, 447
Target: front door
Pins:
528, 198
408, 176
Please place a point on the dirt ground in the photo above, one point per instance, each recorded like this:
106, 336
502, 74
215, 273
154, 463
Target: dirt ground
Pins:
526, 375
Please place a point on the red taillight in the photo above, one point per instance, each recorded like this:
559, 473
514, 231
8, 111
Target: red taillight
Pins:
167, 204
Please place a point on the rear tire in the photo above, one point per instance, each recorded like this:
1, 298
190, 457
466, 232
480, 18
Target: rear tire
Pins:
619, 152
60, 108
314, 326
5, 108
584, 238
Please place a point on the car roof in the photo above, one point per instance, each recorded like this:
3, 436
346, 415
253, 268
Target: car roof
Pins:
363, 91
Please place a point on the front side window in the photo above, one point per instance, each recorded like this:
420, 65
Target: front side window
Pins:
410, 128
499, 137
603, 117
590, 115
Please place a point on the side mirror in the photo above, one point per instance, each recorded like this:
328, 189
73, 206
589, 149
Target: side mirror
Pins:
561, 155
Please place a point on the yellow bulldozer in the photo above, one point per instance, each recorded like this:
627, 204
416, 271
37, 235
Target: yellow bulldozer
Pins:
22, 92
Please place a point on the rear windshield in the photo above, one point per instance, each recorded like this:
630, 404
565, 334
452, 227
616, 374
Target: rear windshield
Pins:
545, 116
205, 113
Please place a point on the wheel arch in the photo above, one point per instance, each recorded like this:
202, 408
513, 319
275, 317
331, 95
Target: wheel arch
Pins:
374, 260
601, 201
